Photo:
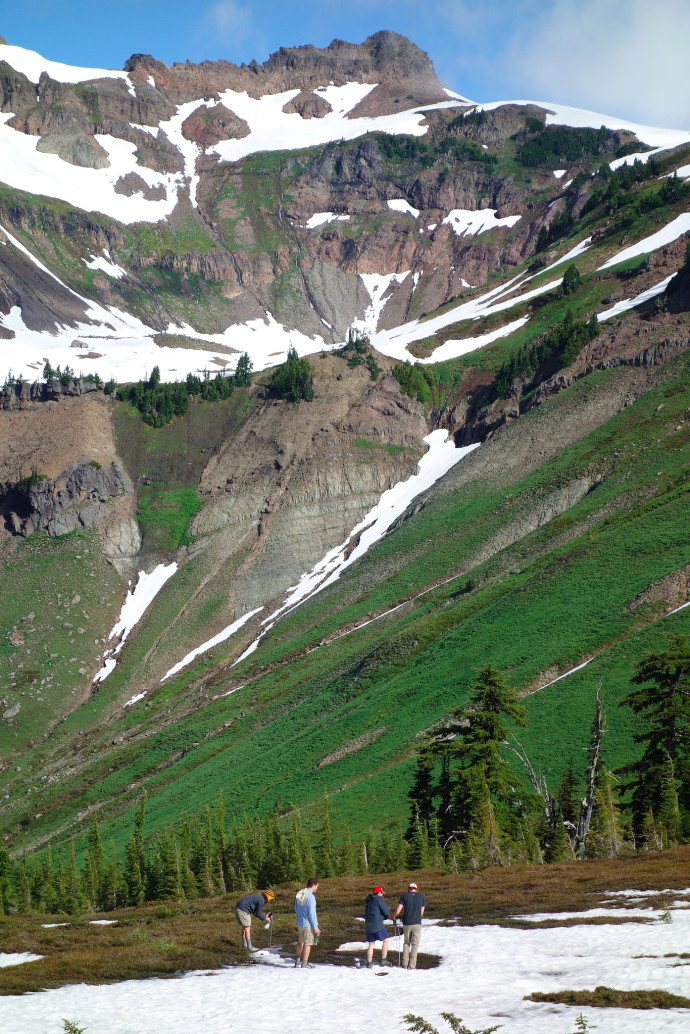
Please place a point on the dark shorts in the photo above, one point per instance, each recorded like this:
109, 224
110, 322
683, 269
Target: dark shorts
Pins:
380, 935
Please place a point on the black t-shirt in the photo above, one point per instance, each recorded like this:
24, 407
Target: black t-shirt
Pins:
412, 902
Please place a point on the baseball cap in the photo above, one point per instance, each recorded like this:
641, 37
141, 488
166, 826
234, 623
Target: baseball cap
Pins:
411, 886
378, 890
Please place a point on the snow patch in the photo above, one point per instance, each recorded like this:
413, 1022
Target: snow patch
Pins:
485, 973
91, 190
441, 456
469, 224
319, 218
106, 265
32, 65
377, 285
214, 641
399, 204
666, 235
559, 173
630, 303
135, 699
137, 601
565, 674
19, 957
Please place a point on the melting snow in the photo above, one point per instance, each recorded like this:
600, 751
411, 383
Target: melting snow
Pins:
484, 974
376, 284
399, 204
319, 218
31, 64
466, 223
106, 265
219, 638
630, 303
17, 958
565, 674
91, 190
666, 235
559, 173
132, 700
136, 603
442, 455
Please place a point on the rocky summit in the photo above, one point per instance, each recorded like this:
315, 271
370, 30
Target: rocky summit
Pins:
324, 387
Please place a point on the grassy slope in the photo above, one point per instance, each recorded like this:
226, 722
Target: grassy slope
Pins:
539, 607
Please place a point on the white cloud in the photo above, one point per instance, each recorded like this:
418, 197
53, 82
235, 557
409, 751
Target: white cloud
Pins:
229, 22
624, 57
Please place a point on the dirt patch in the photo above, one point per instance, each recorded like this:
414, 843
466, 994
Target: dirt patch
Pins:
353, 746
54, 435
672, 590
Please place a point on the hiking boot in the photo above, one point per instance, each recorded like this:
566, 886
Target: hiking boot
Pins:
385, 961
308, 965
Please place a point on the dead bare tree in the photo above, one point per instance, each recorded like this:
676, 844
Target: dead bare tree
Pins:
587, 804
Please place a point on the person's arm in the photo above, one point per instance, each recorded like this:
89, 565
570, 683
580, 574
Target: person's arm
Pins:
397, 911
313, 921
422, 911
385, 910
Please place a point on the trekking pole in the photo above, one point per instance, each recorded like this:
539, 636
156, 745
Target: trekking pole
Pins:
395, 921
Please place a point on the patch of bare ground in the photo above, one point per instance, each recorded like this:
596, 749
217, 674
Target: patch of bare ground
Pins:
182, 341
353, 746
165, 938
53, 435
609, 997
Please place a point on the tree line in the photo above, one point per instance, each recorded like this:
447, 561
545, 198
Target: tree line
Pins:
466, 791
469, 808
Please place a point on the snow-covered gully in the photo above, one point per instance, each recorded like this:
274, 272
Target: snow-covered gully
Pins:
137, 601
442, 455
484, 974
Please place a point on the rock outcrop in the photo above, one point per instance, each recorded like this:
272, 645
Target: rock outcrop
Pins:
77, 498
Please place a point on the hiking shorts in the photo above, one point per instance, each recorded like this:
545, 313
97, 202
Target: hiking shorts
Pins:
380, 935
243, 918
305, 935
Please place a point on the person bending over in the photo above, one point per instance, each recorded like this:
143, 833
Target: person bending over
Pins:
248, 906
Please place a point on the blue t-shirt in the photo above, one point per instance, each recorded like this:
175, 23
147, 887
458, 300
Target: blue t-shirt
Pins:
412, 902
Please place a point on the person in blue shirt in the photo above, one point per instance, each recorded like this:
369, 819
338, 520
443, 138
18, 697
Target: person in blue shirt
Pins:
375, 912
307, 923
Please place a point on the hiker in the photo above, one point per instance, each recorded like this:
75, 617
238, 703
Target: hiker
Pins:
248, 906
375, 911
307, 923
412, 905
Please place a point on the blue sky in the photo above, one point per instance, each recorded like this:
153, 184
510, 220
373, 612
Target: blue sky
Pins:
622, 57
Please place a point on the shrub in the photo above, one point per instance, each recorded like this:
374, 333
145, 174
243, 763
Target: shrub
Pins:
293, 380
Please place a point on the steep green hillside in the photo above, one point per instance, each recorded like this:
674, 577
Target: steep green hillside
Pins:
535, 571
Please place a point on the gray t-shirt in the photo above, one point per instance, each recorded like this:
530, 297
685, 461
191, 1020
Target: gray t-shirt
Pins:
412, 902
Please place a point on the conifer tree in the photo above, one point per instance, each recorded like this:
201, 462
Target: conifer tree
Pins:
22, 890
135, 890
421, 793
557, 846
325, 852
472, 739
668, 816
568, 804
71, 897
605, 838
420, 851
5, 881
170, 884
346, 863
648, 834
485, 843
663, 700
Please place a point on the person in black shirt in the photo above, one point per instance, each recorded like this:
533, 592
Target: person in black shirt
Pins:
248, 906
412, 905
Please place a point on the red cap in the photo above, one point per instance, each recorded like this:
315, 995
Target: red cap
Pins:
378, 890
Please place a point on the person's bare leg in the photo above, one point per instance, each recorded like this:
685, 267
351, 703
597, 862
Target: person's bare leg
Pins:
305, 954
370, 952
384, 949
246, 936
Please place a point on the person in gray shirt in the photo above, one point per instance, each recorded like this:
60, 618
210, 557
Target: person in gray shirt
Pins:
412, 905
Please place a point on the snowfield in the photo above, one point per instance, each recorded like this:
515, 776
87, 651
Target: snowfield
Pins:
485, 972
